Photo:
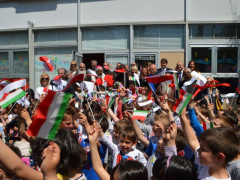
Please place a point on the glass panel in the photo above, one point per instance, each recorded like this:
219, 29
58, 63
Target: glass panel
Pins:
201, 31
105, 38
13, 38
4, 63
227, 58
60, 57
142, 60
20, 62
171, 37
202, 57
115, 58
55, 35
146, 37
225, 31
158, 36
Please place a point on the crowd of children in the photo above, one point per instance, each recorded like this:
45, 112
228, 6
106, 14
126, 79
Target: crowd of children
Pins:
101, 138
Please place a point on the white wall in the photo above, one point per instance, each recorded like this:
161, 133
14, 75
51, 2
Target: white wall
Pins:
127, 11
42, 13
214, 10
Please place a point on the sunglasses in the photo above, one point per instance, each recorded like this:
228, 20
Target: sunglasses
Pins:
73, 64
45, 79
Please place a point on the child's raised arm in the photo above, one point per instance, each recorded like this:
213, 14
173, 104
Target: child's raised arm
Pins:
138, 131
96, 161
188, 132
14, 164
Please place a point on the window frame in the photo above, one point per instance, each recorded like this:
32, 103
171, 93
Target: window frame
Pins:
11, 73
214, 72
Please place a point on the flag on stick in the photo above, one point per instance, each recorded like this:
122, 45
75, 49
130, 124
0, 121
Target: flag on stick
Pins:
12, 86
9, 98
182, 102
49, 115
139, 115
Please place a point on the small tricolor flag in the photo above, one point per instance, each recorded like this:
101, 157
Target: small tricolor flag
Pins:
207, 125
9, 98
49, 115
182, 102
139, 115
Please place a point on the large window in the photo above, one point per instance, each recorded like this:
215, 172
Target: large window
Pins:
159, 37
105, 38
55, 35
202, 57
14, 64
13, 38
213, 31
20, 62
227, 58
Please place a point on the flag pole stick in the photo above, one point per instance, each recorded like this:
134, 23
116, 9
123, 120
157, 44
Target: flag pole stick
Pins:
90, 109
12, 107
152, 90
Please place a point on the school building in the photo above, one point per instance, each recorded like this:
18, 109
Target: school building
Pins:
207, 32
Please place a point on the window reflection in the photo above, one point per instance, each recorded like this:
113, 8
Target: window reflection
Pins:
202, 57
227, 59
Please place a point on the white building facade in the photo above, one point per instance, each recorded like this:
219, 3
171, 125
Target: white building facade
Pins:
207, 32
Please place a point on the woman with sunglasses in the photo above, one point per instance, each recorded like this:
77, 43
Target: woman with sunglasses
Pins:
74, 67
44, 81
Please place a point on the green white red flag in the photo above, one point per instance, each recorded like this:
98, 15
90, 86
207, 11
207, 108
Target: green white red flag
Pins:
49, 115
182, 102
9, 98
139, 115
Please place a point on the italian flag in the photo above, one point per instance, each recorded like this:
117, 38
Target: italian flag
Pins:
49, 115
139, 115
9, 98
182, 102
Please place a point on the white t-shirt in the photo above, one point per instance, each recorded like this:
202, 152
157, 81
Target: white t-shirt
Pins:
203, 170
39, 91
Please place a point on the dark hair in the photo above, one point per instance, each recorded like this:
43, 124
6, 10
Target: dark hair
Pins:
98, 114
129, 133
73, 156
196, 69
232, 117
164, 60
180, 140
130, 170
222, 139
173, 168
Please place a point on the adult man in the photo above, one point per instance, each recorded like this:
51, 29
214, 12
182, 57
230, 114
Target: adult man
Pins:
153, 70
82, 67
185, 84
60, 83
164, 69
179, 69
93, 65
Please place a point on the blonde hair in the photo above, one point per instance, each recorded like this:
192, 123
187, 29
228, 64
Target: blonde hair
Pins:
162, 118
134, 68
71, 66
43, 74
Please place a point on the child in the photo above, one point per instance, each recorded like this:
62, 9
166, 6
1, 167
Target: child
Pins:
174, 168
125, 150
125, 170
233, 167
217, 147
